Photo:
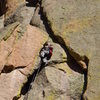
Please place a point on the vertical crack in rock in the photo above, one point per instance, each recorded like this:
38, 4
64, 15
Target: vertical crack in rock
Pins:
55, 38
3, 7
71, 59
85, 78
27, 86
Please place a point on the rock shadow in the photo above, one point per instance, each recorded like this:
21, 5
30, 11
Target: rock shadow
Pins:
32, 3
27, 86
3, 7
71, 61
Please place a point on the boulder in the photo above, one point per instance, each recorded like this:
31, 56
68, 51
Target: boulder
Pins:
18, 57
26, 50
71, 23
75, 24
10, 84
75, 79
22, 15
50, 84
59, 55
12, 6
8, 8
54, 84
36, 18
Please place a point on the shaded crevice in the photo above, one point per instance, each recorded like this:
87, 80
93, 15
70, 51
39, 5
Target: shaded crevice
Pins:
10, 68
73, 64
7, 69
85, 85
43, 93
47, 25
27, 86
12, 18
85, 79
32, 3
71, 61
86, 60
3, 7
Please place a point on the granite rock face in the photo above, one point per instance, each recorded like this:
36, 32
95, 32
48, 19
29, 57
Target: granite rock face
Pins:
72, 24
54, 84
76, 25
12, 6
8, 8
58, 80
18, 54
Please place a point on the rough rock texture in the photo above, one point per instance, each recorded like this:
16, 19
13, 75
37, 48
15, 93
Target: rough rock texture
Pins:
12, 5
10, 84
49, 86
3, 7
76, 24
6, 46
71, 21
36, 19
18, 55
93, 86
6, 32
1, 21
56, 77
55, 84
23, 15
75, 79
8, 8
59, 55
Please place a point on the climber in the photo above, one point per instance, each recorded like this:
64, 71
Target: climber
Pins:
46, 53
